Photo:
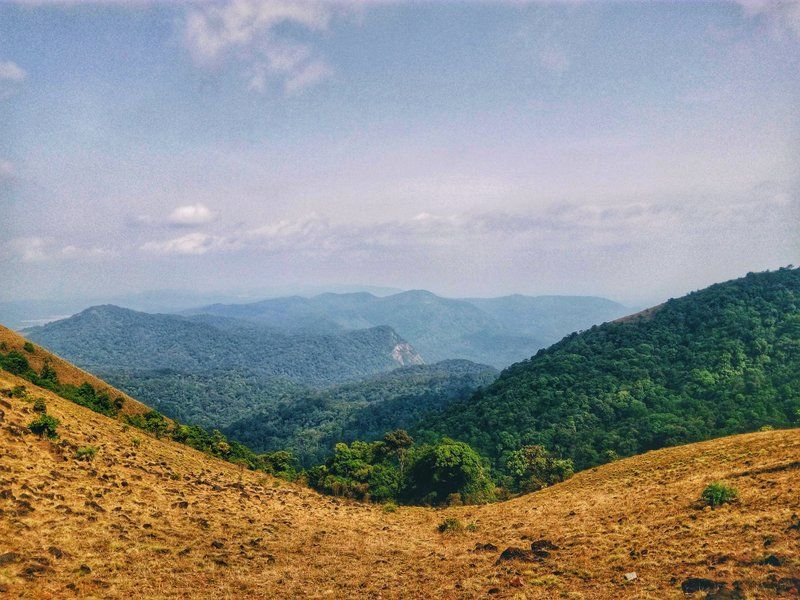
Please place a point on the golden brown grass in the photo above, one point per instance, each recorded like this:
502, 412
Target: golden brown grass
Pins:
160, 520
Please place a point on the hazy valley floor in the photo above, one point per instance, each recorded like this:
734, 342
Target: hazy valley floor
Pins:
159, 520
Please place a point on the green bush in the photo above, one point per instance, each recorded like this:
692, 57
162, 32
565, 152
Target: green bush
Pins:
44, 425
28, 347
718, 493
39, 405
451, 525
86, 453
532, 468
390, 507
438, 471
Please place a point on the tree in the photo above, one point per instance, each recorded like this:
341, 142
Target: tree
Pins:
531, 468
437, 471
398, 442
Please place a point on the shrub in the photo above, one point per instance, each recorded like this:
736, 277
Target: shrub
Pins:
451, 525
136, 442
28, 347
532, 468
15, 363
19, 391
390, 507
766, 428
718, 493
44, 425
86, 453
435, 472
39, 405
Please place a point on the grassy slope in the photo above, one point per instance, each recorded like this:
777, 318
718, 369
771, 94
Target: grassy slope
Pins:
143, 519
67, 372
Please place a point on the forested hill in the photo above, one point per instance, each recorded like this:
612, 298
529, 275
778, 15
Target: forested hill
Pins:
310, 422
722, 360
113, 340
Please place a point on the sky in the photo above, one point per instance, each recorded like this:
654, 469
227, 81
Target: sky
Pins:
630, 150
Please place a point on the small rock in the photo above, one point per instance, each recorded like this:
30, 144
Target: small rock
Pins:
517, 582
217, 544
56, 552
84, 569
773, 561
700, 584
520, 554
630, 576
485, 548
8, 557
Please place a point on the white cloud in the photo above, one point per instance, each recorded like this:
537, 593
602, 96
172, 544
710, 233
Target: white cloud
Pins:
782, 15
11, 76
35, 249
10, 71
247, 32
191, 244
190, 215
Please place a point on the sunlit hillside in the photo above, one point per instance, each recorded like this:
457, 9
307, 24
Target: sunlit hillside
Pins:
152, 518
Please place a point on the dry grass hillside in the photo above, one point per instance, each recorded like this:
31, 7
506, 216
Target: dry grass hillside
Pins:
67, 372
150, 518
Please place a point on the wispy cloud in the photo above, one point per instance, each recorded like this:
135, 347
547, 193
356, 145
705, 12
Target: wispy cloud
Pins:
196, 243
190, 215
783, 16
38, 249
249, 33
11, 76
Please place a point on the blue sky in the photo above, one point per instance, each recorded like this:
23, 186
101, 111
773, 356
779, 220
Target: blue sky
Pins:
633, 150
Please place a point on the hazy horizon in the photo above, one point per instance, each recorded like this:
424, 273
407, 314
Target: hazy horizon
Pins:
625, 150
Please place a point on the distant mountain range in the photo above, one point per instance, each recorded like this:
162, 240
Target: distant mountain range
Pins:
110, 339
495, 331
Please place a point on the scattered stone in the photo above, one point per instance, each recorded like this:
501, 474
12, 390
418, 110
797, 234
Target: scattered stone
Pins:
539, 545
520, 554
94, 506
56, 552
630, 576
84, 569
772, 560
788, 584
700, 584
8, 557
485, 548
726, 594
217, 544
517, 582
494, 590
185, 551
32, 571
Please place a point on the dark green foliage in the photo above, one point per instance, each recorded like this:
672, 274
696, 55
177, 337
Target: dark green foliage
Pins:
531, 468
310, 423
28, 347
720, 361
14, 362
451, 525
436, 471
44, 425
361, 470
393, 469
87, 453
718, 493
152, 421
39, 405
